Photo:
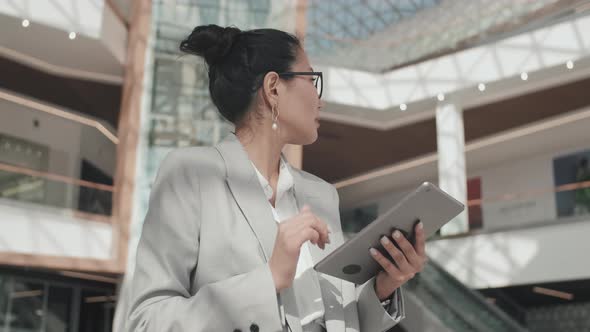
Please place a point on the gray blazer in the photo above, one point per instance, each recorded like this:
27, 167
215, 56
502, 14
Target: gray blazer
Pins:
202, 260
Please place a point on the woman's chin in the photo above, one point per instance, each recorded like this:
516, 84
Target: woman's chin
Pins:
305, 136
314, 137
308, 139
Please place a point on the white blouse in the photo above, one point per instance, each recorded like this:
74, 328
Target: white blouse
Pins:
306, 285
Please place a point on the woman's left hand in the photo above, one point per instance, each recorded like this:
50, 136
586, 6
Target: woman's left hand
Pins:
410, 260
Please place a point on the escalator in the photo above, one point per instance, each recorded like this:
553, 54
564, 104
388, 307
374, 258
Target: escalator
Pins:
437, 302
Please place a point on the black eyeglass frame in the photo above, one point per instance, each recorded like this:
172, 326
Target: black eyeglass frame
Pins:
308, 73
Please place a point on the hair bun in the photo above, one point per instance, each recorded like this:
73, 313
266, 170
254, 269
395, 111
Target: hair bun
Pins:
212, 42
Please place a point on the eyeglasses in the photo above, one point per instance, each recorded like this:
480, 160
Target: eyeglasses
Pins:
318, 78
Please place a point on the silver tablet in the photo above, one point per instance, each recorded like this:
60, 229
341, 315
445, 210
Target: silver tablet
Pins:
352, 261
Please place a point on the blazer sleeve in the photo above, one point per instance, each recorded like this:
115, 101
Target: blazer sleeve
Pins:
167, 255
372, 316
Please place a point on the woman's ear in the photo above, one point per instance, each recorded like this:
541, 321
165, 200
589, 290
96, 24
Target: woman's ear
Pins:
270, 88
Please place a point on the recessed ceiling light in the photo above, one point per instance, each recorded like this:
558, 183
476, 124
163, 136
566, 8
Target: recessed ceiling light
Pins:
72, 35
25, 23
524, 76
440, 97
403, 107
481, 87
569, 64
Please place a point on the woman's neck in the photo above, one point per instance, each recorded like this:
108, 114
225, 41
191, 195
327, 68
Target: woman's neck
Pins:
264, 151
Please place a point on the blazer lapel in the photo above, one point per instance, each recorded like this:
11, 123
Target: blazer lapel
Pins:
249, 196
248, 193
308, 192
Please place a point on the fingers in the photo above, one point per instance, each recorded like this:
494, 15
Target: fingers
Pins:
420, 244
318, 225
323, 229
307, 226
308, 233
397, 255
408, 250
312, 235
406, 261
320, 228
387, 265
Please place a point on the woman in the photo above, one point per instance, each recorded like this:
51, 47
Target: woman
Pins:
232, 231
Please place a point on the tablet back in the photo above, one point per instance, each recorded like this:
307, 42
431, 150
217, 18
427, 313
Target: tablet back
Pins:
352, 261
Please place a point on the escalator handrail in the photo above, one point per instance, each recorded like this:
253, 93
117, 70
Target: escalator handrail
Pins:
477, 297
460, 312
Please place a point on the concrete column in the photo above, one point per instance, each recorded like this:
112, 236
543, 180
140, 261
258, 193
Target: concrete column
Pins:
300, 18
452, 175
129, 131
128, 128
294, 153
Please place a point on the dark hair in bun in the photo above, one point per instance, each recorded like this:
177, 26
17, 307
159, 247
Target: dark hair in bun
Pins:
237, 62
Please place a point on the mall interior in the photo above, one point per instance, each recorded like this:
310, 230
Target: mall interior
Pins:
488, 99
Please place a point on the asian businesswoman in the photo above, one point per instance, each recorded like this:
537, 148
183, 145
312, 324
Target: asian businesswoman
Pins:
233, 230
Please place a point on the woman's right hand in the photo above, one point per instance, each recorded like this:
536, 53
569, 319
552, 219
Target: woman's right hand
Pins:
291, 235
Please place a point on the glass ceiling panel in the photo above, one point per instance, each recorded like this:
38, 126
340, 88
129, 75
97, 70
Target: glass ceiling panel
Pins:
380, 35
